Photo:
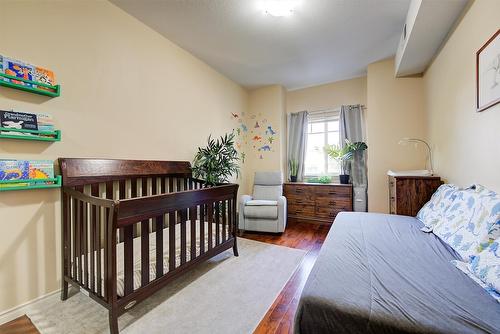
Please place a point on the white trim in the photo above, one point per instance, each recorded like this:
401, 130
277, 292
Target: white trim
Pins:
20, 310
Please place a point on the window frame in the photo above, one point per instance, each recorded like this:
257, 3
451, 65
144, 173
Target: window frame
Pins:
323, 118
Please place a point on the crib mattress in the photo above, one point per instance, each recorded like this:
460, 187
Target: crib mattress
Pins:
152, 253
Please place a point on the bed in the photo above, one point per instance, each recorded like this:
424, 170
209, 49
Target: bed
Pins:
379, 273
129, 227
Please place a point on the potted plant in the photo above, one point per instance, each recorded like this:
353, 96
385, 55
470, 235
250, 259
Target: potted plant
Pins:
218, 161
343, 155
294, 169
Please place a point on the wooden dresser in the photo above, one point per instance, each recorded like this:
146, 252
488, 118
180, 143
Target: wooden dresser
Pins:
317, 202
407, 194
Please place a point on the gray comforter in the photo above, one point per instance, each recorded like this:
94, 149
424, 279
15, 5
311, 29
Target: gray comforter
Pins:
379, 273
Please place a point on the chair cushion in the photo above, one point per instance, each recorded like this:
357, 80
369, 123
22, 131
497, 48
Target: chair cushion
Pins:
270, 193
268, 178
261, 211
257, 202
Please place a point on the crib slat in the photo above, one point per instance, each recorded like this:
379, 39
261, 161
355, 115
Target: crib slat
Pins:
74, 238
97, 241
85, 245
109, 195
170, 184
92, 247
217, 223
224, 221
229, 217
121, 195
66, 235
202, 229
128, 254
183, 236
78, 242
154, 191
163, 185
171, 240
179, 184
192, 218
159, 246
234, 227
210, 219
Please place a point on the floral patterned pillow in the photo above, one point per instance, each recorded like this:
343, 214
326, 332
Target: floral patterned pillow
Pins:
433, 211
472, 221
484, 269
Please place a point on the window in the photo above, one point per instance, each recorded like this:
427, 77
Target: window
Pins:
322, 129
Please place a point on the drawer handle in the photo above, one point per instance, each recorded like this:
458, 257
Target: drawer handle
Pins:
299, 190
332, 193
333, 203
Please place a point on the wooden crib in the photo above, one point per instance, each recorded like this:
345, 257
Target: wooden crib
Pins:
130, 227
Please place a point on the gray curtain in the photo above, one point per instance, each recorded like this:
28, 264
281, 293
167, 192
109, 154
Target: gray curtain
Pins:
352, 128
297, 136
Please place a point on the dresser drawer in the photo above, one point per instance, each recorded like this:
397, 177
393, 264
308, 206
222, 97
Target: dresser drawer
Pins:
341, 203
301, 210
299, 189
305, 199
334, 191
327, 212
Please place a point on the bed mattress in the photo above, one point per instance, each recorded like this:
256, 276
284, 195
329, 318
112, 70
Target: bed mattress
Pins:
379, 273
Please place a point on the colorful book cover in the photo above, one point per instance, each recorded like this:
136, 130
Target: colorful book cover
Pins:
1, 64
46, 77
17, 120
45, 122
18, 69
41, 169
14, 170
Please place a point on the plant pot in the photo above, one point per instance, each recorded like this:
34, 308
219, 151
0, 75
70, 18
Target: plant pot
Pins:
293, 178
344, 179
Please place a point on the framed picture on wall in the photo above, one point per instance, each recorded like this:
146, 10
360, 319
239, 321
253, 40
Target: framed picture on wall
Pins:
488, 73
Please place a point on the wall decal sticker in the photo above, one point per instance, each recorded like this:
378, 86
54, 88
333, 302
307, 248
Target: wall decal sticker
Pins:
265, 148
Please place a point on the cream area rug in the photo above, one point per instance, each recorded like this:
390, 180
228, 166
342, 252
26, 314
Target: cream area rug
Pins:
226, 294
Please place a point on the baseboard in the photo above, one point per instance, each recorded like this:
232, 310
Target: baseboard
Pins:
20, 310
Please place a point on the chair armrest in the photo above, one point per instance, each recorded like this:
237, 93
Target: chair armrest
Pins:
244, 199
241, 216
282, 213
282, 201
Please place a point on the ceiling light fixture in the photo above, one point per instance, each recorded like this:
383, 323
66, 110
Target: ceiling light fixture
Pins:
279, 8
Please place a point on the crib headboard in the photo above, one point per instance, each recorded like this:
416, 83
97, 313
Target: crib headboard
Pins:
82, 171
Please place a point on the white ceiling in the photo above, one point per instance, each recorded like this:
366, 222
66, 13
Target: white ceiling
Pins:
324, 41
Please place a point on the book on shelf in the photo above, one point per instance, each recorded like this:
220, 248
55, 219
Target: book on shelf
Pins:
45, 76
18, 69
14, 170
41, 169
17, 120
27, 71
33, 171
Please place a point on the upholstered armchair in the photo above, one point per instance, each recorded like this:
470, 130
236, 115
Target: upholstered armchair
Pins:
265, 211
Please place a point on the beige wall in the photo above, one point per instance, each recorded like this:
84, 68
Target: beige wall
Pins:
266, 107
127, 92
466, 143
395, 111
331, 95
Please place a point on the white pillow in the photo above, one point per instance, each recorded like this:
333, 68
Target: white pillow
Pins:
471, 223
484, 269
433, 211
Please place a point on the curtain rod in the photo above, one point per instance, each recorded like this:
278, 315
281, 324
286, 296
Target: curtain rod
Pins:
329, 109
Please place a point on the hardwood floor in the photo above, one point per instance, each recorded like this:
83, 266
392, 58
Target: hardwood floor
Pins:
21, 325
307, 236
279, 318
